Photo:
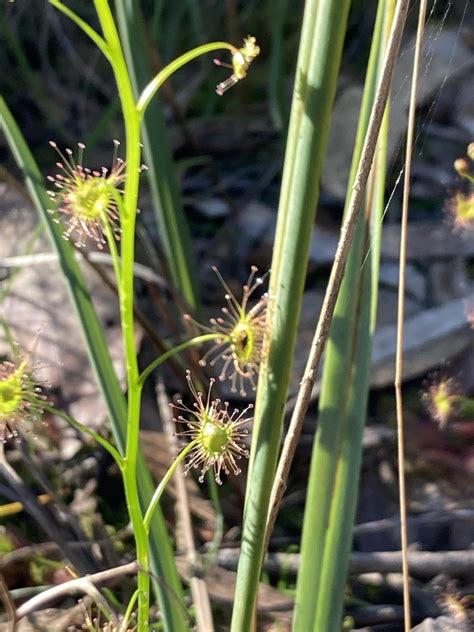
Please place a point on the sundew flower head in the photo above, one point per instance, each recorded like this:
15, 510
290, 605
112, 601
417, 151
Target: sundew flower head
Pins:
442, 398
88, 199
239, 335
20, 398
241, 60
219, 434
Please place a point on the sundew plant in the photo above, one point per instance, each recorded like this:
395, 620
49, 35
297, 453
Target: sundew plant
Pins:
101, 207
250, 344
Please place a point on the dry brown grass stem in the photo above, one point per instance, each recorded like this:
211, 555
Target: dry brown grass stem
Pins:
400, 317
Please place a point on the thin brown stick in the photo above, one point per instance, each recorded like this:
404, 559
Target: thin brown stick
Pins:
199, 592
337, 271
400, 318
80, 585
7, 600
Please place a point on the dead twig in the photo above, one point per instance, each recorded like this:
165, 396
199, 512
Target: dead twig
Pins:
80, 585
400, 318
7, 600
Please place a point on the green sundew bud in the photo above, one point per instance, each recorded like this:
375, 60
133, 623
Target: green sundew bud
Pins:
240, 335
88, 199
461, 165
243, 341
218, 434
215, 438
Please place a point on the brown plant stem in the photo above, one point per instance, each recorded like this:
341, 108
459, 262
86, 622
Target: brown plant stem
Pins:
400, 318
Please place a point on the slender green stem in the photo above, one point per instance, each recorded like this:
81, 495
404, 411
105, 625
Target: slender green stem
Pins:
129, 611
111, 46
214, 545
151, 89
114, 453
113, 251
126, 290
172, 352
164, 482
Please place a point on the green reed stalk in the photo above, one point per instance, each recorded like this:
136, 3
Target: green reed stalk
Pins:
126, 297
317, 68
332, 488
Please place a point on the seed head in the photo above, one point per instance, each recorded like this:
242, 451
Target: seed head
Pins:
241, 331
219, 434
88, 199
20, 398
241, 60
